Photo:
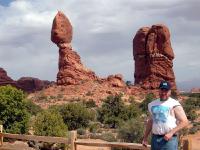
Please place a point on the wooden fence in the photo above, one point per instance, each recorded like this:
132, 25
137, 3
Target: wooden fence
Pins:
73, 141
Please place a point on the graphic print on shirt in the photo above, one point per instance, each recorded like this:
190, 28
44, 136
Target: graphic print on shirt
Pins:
160, 113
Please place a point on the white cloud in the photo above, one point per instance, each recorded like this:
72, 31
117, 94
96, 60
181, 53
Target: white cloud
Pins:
103, 33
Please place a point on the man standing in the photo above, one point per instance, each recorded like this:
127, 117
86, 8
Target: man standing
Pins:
167, 117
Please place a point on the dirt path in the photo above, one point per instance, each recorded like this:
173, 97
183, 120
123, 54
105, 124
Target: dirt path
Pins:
17, 145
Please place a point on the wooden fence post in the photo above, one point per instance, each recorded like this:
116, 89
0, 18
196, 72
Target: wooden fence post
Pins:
73, 138
187, 144
1, 137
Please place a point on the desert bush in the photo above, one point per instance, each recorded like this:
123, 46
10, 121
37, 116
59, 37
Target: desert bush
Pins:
50, 123
133, 110
75, 115
13, 112
32, 108
191, 105
131, 99
112, 111
108, 137
90, 103
81, 131
131, 131
148, 98
94, 127
196, 95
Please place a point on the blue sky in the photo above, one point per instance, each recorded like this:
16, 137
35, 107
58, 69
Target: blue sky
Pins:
5, 2
103, 33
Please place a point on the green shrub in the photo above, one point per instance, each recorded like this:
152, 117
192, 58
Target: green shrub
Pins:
76, 115
90, 104
133, 110
131, 131
191, 105
81, 131
13, 113
112, 112
108, 137
50, 123
131, 99
32, 108
94, 127
144, 105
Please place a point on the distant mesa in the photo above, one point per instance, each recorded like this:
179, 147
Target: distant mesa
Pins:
30, 84
27, 84
153, 57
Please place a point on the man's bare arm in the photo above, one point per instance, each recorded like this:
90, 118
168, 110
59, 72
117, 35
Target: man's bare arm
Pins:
183, 121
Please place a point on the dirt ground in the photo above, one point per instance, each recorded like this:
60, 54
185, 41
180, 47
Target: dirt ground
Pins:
18, 145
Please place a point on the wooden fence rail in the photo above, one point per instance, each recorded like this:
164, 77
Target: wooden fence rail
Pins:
47, 139
73, 141
113, 144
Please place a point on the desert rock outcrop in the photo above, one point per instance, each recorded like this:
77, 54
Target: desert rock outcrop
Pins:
71, 70
30, 84
27, 84
153, 57
5, 79
116, 80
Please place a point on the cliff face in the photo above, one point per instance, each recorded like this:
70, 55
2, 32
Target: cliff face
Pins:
153, 57
71, 70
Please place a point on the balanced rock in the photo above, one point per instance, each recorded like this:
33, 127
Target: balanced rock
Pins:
71, 70
153, 57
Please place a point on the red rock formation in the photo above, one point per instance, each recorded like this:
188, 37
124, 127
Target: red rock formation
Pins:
71, 70
30, 84
5, 79
116, 80
153, 57
27, 84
